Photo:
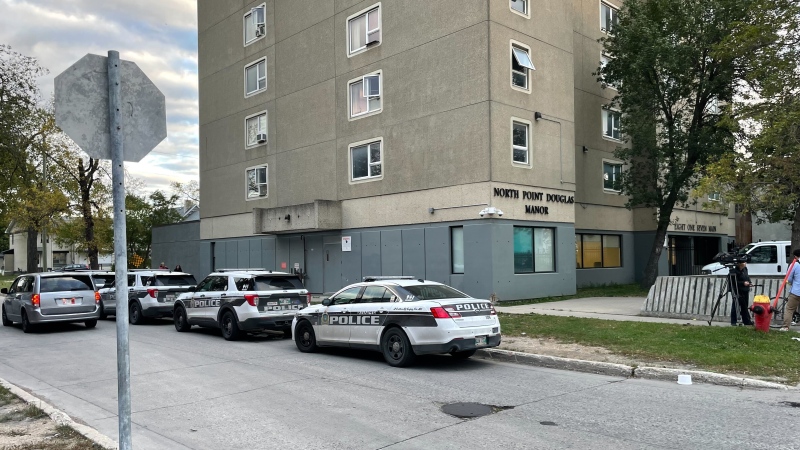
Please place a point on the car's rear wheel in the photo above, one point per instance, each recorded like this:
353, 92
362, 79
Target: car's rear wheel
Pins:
135, 314
181, 322
463, 355
27, 327
230, 329
103, 315
396, 348
90, 323
6, 321
304, 337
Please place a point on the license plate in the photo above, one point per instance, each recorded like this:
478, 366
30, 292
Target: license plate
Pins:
67, 301
169, 298
480, 341
285, 301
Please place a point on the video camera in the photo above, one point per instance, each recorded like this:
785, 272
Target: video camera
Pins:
731, 259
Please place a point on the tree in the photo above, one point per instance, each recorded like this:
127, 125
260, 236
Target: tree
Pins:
144, 213
670, 80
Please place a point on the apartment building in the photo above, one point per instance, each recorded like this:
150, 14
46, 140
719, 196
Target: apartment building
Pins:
463, 141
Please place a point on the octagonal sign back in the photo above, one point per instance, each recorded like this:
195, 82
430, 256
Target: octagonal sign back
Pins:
81, 103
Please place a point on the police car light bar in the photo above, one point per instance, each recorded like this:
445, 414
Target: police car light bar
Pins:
251, 269
366, 279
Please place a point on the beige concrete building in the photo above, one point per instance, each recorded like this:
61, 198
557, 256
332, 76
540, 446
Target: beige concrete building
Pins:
464, 141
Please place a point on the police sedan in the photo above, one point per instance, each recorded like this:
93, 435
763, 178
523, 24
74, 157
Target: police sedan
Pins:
400, 317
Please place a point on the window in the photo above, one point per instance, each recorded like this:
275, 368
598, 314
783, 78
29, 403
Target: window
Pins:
457, 249
376, 294
767, 254
364, 30
255, 26
346, 296
612, 176
256, 179
366, 161
714, 196
255, 129
595, 250
608, 17
365, 94
534, 250
520, 7
519, 142
604, 60
521, 64
255, 77
611, 124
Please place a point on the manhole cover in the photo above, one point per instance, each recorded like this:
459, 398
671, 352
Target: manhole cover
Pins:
467, 410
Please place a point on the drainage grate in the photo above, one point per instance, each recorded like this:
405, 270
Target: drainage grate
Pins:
471, 410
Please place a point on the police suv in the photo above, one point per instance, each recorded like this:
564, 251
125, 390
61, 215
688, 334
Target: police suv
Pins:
239, 301
151, 294
401, 317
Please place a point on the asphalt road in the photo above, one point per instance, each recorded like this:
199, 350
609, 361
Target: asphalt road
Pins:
196, 390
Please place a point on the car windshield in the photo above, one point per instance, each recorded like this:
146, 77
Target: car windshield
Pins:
102, 280
66, 283
433, 292
264, 283
175, 280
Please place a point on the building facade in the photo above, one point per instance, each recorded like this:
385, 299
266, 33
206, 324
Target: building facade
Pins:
466, 142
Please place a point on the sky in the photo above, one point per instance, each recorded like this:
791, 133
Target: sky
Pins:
160, 36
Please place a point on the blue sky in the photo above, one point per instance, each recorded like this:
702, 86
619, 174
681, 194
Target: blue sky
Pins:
158, 35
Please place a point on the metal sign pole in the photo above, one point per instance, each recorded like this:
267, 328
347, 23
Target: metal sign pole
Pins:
120, 252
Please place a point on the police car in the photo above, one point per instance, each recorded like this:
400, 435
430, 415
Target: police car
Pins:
151, 294
401, 317
239, 301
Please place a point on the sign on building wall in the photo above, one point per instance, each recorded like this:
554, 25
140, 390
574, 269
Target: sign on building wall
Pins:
347, 244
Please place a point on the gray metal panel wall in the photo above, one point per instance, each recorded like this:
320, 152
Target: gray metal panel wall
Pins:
414, 252
243, 254
478, 259
268, 253
618, 275
391, 252
351, 261
437, 254
371, 252
231, 254
314, 256
180, 244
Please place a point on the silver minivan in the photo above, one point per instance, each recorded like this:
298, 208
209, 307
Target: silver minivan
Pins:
51, 297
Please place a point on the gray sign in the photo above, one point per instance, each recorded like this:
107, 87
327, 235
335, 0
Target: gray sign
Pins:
81, 103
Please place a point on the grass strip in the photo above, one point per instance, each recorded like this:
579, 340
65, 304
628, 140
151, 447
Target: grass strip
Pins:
610, 290
738, 350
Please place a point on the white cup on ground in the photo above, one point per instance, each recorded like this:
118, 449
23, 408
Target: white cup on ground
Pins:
684, 379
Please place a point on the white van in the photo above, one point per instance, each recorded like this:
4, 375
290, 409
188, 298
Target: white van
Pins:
770, 258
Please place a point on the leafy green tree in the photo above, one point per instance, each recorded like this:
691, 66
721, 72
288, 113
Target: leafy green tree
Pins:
144, 213
672, 86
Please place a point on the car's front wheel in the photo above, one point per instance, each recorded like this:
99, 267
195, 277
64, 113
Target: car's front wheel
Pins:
135, 314
90, 323
230, 329
304, 337
181, 322
6, 321
396, 348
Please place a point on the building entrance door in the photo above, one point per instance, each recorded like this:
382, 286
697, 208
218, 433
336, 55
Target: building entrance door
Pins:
332, 267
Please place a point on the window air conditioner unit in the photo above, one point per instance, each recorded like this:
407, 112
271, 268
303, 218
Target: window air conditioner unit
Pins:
261, 138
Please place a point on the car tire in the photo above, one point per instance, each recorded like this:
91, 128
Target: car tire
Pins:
230, 329
135, 314
6, 321
304, 337
466, 354
396, 348
181, 322
27, 327
90, 323
103, 315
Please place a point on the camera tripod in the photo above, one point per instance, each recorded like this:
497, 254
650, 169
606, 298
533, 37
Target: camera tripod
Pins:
729, 286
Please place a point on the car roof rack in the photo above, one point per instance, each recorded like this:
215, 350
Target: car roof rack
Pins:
149, 270
248, 269
400, 277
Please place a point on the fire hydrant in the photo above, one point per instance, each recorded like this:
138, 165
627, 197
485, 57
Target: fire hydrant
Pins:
762, 310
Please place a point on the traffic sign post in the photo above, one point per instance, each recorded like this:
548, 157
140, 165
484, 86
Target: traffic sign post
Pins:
113, 111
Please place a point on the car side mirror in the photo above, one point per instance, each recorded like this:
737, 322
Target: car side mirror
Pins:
193, 289
326, 302
4, 291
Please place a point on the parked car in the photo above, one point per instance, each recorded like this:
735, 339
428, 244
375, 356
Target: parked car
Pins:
151, 294
50, 297
240, 301
770, 258
400, 317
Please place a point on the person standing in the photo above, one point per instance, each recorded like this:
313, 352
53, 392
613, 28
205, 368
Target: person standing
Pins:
741, 297
794, 293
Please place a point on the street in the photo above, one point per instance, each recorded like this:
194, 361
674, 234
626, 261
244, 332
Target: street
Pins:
196, 390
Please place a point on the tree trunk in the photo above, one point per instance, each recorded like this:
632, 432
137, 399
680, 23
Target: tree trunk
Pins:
651, 269
86, 179
33, 250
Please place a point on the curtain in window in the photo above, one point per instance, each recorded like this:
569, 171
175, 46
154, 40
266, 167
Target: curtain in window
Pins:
545, 250
358, 33
457, 245
358, 103
612, 254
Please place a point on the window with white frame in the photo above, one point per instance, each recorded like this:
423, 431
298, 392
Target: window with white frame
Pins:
255, 26
608, 17
611, 124
366, 160
256, 179
255, 77
612, 176
365, 94
714, 196
364, 29
519, 6
256, 129
604, 60
521, 65
520, 142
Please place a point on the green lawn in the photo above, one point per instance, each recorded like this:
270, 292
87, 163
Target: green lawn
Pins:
5, 281
611, 290
740, 350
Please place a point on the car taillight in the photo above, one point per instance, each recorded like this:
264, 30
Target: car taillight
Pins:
494, 312
252, 299
152, 293
308, 299
439, 313
452, 311
96, 297
35, 299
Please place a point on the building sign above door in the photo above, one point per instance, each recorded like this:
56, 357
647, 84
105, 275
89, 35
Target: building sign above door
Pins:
534, 197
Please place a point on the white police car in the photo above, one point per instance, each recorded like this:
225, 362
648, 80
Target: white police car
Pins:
239, 301
151, 294
401, 317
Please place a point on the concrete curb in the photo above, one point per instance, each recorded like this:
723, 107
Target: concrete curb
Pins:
60, 417
621, 370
